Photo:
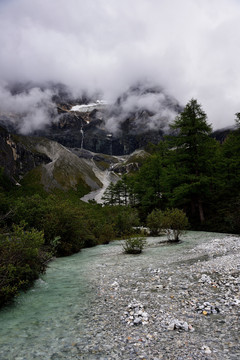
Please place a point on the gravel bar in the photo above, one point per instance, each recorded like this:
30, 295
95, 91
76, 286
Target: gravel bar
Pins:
182, 306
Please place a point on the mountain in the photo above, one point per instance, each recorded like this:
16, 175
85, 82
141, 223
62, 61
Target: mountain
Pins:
139, 116
82, 138
55, 166
16, 158
37, 161
221, 134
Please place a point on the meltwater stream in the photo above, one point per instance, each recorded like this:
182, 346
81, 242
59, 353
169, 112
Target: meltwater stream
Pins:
47, 320
48, 317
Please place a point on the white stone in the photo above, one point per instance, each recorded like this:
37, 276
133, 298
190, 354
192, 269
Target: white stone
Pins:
206, 349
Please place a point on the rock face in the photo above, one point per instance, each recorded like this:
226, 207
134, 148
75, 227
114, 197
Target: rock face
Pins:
78, 139
139, 116
87, 130
16, 158
59, 167
65, 170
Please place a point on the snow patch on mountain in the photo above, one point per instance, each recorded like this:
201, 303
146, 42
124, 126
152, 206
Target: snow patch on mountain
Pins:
99, 104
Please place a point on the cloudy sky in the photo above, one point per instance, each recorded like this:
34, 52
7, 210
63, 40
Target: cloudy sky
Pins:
189, 47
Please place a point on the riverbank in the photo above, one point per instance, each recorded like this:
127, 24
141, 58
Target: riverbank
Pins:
175, 302
190, 299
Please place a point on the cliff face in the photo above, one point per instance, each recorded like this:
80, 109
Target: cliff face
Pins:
15, 157
73, 131
58, 167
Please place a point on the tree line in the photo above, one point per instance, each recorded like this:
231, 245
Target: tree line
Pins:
188, 170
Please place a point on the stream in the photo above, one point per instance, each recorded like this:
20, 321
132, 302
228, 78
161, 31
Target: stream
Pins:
48, 320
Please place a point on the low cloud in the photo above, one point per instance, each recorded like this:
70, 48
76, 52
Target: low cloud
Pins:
188, 47
31, 109
147, 107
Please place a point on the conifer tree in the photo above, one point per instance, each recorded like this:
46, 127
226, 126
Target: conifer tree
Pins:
192, 150
231, 161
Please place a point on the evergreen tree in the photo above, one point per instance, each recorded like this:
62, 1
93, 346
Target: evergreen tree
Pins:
190, 170
149, 185
231, 161
109, 197
229, 177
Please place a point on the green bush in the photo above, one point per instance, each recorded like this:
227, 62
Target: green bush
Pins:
21, 260
74, 223
134, 244
154, 222
124, 220
57, 218
174, 222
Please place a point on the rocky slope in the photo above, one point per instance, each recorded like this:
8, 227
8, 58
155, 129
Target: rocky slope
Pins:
61, 168
16, 158
58, 166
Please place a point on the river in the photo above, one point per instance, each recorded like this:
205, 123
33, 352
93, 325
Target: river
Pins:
49, 319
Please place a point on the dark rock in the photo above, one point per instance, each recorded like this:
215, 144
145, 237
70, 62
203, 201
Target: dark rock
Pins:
15, 158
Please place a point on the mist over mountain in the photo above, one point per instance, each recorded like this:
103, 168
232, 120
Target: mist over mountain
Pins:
104, 47
147, 105
139, 115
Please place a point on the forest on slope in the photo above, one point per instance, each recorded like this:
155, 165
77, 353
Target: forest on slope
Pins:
189, 170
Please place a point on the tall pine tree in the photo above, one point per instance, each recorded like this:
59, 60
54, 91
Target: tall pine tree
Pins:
191, 167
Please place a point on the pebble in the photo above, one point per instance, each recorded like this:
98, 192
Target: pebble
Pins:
206, 349
135, 315
207, 309
180, 325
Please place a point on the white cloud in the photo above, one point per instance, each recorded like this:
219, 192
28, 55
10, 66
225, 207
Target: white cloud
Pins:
189, 47
31, 108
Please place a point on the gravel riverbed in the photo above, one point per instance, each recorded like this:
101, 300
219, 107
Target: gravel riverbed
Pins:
177, 302
182, 306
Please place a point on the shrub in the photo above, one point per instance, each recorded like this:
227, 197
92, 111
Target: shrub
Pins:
21, 260
154, 222
174, 222
126, 218
74, 224
58, 218
134, 244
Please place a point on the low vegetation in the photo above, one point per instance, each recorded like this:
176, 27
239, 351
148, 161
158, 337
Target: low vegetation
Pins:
34, 228
134, 244
174, 222
22, 260
154, 222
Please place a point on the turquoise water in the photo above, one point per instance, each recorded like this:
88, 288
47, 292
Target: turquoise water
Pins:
46, 321
49, 314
